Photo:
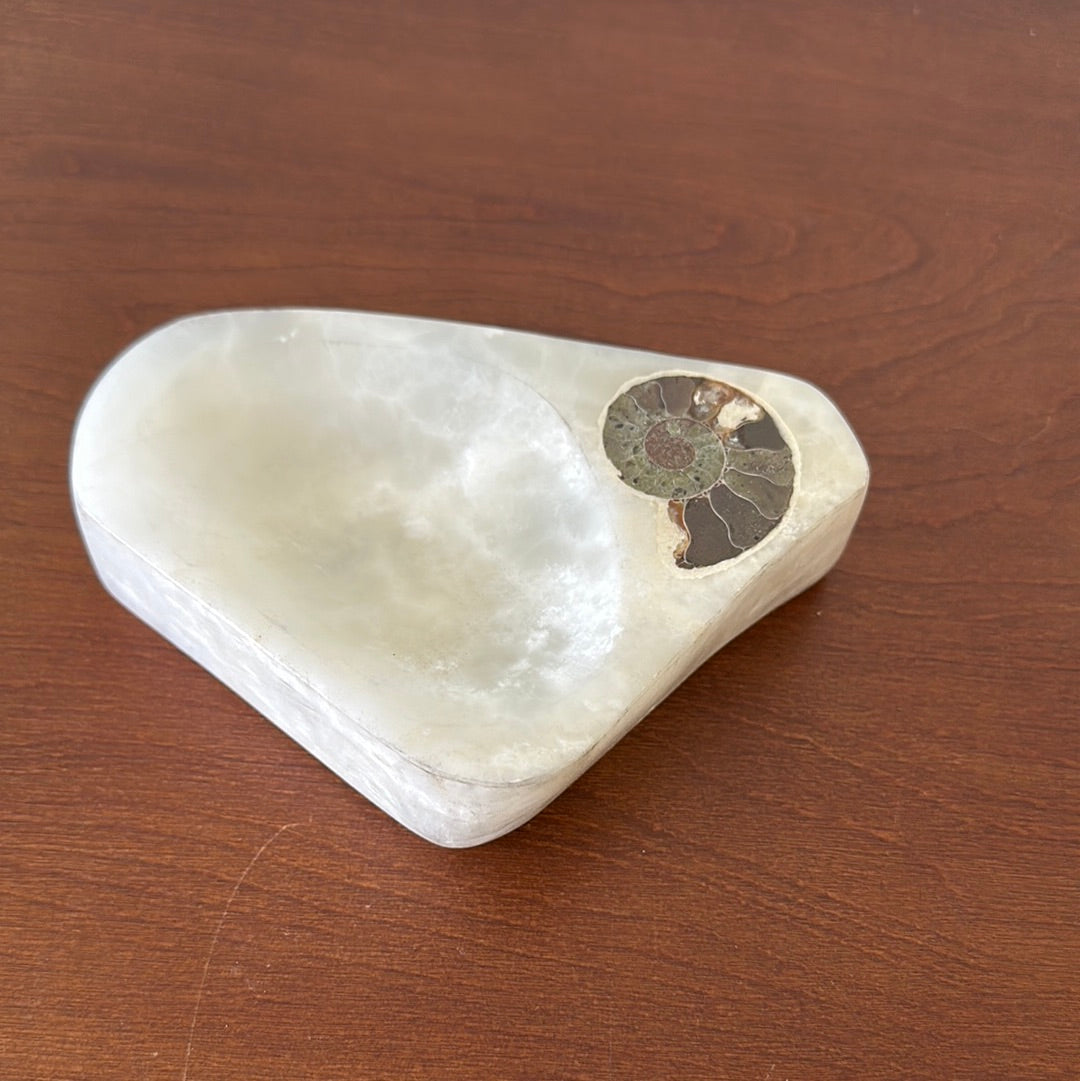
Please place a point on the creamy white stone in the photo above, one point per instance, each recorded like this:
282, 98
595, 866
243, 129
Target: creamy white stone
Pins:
401, 540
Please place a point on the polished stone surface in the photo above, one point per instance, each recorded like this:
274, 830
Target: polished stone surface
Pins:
455, 563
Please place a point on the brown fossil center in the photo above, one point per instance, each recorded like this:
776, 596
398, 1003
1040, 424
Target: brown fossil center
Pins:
669, 444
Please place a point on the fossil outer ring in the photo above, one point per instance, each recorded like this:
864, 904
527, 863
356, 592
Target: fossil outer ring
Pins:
714, 453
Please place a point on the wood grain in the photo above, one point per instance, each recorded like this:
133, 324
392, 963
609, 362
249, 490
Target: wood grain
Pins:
848, 846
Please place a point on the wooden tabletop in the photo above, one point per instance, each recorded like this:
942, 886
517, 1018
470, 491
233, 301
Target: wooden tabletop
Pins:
849, 846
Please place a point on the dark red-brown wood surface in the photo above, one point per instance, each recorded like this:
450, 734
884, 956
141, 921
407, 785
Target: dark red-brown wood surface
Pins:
848, 846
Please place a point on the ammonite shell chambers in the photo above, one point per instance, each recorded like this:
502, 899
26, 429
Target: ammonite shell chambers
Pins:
714, 454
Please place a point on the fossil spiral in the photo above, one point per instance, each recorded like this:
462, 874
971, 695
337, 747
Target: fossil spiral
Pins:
713, 453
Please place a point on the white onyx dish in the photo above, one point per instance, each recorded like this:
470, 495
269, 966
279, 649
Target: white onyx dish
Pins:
445, 558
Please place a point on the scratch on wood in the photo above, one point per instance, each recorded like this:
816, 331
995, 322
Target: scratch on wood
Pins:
214, 940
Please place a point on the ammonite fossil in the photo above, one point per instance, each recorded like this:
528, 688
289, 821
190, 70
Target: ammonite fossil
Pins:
714, 454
